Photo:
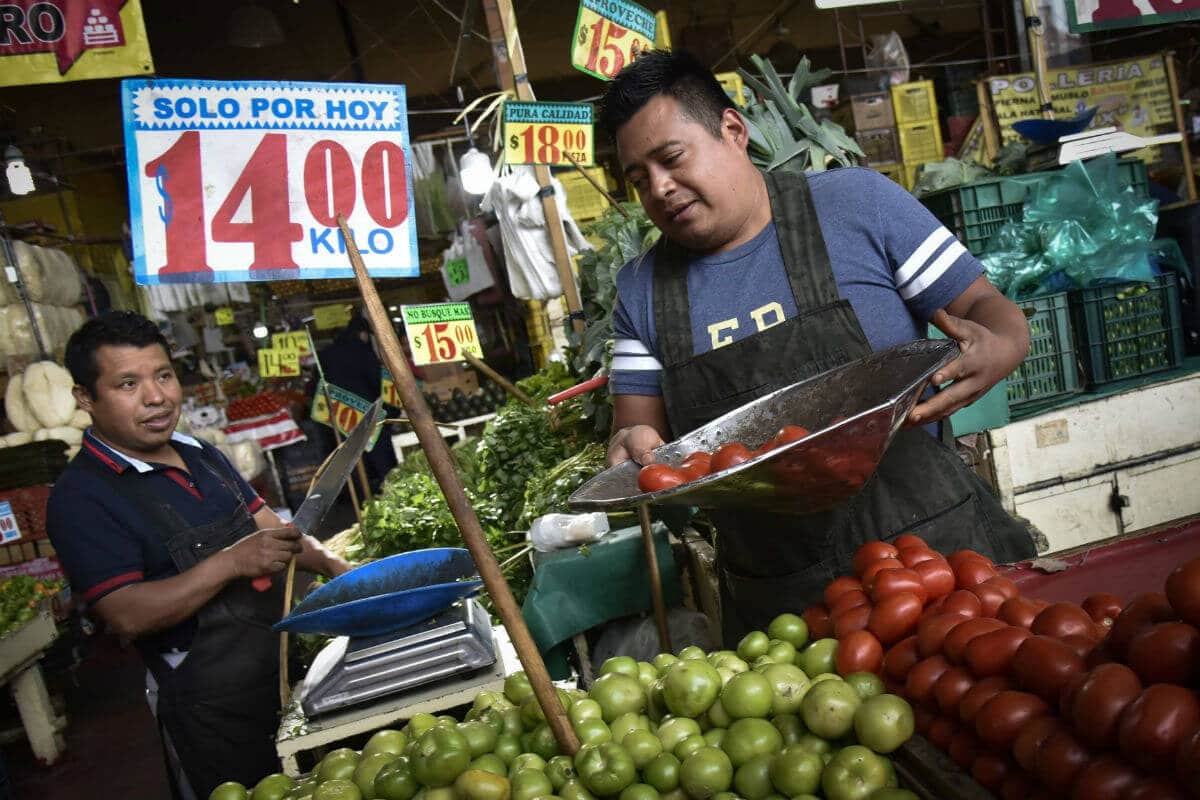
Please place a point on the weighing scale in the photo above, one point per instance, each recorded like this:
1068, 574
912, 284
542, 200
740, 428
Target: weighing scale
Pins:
353, 670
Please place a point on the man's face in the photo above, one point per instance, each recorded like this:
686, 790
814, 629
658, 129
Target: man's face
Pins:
698, 189
136, 405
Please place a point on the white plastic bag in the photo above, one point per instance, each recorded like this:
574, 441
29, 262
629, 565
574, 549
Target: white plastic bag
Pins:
556, 531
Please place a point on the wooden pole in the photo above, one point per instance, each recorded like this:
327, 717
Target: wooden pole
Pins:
500, 12
1173, 81
656, 588
442, 465
496, 377
1037, 51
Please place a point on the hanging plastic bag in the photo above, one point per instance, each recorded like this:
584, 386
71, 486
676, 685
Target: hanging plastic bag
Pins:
464, 268
888, 59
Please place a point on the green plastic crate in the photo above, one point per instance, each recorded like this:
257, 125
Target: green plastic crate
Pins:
1128, 330
1051, 369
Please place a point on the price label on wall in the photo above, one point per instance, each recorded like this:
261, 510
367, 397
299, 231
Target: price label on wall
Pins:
292, 340
610, 34
245, 180
440, 333
274, 362
545, 133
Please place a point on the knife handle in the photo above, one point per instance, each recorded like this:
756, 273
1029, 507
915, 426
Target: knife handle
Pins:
261, 583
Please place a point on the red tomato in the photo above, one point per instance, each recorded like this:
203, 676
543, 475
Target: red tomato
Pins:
942, 731
897, 581
1183, 591
820, 626
838, 587
1187, 764
964, 748
871, 552
932, 630
1167, 653
979, 694
1157, 788
1006, 586
1106, 778
992, 653
1059, 761
696, 465
962, 602
909, 540
990, 599
1029, 740
1063, 619
990, 770
1019, 611
895, 617
730, 455
1103, 608
1142, 612
790, 433
918, 687
962, 555
1017, 786
1002, 718
972, 572
900, 658
911, 556
1152, 727
850, 620
922, 719
858, 651
949, 689
937, 577
656, 477
847, 601
957, 640
881, 565
1082, 645
1043, 665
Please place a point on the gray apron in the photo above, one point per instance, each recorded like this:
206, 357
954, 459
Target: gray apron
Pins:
770, 563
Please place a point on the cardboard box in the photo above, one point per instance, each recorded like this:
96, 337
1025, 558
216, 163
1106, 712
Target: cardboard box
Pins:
872, 111
464, 379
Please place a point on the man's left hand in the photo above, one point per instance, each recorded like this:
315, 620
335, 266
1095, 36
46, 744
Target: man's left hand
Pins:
984, 361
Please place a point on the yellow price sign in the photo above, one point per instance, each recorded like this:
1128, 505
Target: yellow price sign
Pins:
388, 390
344, 408
330, 317
292, 340
224, 315
610, 34
440, 333
274, 362
547, 133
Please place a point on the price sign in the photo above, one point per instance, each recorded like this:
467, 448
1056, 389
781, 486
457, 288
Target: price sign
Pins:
224, 315
9, 530
457, 271
274, 362
245, 180
388, 391
330, 317
345, 408
441, 332
610, 34
292, 340
544, 133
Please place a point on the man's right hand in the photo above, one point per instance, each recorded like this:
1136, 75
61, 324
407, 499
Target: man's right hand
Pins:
636, 442
264, 552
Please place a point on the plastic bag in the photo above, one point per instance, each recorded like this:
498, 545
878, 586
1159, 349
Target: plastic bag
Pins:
888, 59
556, 531
638, 636
947, 174
1079, 228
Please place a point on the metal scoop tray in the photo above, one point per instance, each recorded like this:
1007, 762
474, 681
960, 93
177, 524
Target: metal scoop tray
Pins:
853, 411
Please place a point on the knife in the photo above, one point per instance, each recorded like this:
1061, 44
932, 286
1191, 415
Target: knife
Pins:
323, 495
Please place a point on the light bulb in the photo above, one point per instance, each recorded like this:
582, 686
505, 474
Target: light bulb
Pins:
20, 179
475, 169
260, 331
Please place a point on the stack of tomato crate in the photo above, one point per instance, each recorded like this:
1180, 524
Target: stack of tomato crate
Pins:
1036, 700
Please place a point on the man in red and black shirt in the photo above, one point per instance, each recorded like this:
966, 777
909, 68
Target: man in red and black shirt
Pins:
161, 539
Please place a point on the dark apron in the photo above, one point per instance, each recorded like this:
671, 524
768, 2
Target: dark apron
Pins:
221, 705
770, 563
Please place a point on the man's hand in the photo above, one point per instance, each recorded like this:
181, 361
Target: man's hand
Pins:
635, 442
264, 552
986, 358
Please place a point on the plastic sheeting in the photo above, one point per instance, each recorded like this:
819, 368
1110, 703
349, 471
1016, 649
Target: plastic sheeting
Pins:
1079, 229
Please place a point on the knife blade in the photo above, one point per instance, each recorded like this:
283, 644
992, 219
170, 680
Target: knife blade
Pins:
327, 488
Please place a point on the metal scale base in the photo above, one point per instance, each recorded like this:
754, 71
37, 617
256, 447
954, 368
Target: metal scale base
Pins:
349, 671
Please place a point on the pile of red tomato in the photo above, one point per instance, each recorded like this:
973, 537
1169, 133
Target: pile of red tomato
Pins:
1035, 699
656, 477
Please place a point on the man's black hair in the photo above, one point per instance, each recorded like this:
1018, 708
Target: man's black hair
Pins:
110, 328
674, 73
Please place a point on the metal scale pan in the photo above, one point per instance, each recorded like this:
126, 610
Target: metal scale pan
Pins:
853, 411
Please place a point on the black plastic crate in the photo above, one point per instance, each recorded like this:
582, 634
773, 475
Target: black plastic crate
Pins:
1129, 329
1051, 369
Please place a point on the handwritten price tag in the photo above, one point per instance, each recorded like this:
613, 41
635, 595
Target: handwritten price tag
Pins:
292, 340
610, 34
440, 333
224, 315
388, 391
330, 317
274, 362
345, 408
546, 133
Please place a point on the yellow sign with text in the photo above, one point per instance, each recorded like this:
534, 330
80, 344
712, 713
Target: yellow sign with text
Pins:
547, 133
330, 317
610, 34
388, 391
440, 333
224, 315
274, 362
292, 340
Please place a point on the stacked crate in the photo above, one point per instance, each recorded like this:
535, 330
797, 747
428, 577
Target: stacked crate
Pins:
875, 132
917, 127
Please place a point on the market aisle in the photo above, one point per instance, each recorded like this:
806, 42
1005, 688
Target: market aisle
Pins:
112, 747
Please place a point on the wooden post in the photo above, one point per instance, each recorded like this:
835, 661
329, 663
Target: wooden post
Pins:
442, 465
496, 377
1037, 52
656, 589
1173, 85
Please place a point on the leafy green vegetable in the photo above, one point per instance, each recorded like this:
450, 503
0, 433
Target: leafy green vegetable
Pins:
547, 493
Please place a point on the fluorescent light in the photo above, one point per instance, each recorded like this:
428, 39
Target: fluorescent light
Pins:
475, 170
20, 179
260, 331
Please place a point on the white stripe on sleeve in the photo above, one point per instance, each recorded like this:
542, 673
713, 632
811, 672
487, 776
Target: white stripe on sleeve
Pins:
912, 265
934, 271
630, 347
623, 363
